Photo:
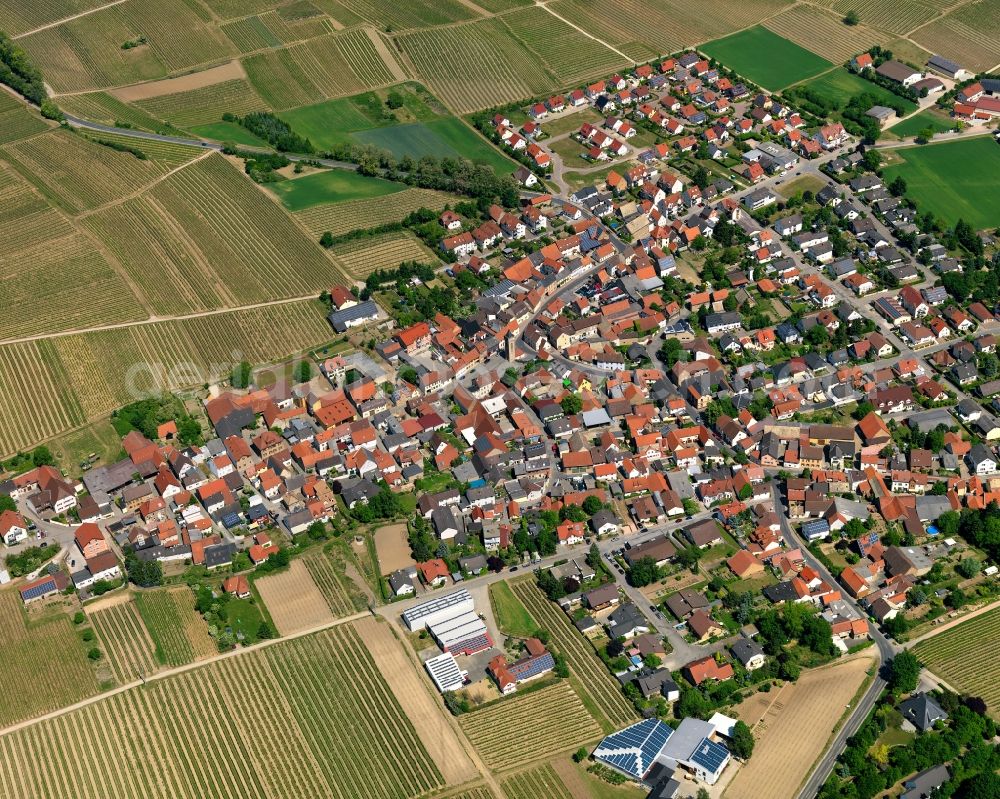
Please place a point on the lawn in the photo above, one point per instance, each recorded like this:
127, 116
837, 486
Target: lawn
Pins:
840, 86
801, 184
228, 132
954, 180
244, 618
511, 615
930, 118
333, 186
766, 58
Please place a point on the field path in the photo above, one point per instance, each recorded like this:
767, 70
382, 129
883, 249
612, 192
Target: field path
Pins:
953, 623
175, 671
59, 22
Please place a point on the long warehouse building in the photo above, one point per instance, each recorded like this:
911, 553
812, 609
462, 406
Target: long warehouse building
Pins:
438, 609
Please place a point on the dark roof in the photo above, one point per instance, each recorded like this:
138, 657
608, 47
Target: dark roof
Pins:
922, 711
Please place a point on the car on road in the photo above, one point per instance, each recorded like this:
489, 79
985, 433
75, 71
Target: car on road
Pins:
513, 568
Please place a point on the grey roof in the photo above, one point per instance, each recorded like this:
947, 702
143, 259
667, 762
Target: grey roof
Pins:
921, 785
745, 649
922, 711
363, 310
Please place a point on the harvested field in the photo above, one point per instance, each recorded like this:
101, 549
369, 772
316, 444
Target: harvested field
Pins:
584, 664
413, 693
329, 573
126, 642
178, 633
964, 657
224, 73
476, 65
553, 718
788, 739
46, 660
393, 548
323, 724
536, 782
204, 105
113, 367
343, 217
293, 600
822, 33
358, 259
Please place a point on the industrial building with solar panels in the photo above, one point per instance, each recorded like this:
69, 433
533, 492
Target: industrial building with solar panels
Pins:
651, 751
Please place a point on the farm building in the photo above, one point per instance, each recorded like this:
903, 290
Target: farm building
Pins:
44, 586
438, 609
445, 673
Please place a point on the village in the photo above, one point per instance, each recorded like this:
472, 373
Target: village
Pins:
698, 411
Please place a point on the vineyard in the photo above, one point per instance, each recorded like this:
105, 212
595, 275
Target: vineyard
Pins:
103, 107
552, 718
44, 660
474, 793
535, 782
321, 724
213, 239
351, 215
584, 664
571, 55
16, 18
362, 257
293, 599
965, 657
411, 14
970, 34
16, 122
475, 66
111, 368
126, 643
257, 33
822, 33
342, 596
79, 174
178, 633
897, 16
203, 105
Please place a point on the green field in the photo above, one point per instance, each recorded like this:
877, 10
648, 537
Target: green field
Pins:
766, 58
955, 180
443, 137
333, 186
840, 86
178, 633
934, 120
512, 617
228, 132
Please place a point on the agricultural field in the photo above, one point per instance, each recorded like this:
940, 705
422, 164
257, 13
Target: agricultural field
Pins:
766, 58
330, 186
970, 35
570, 54
321, 68
344, 217
258, 32
227, 132
476, 65
553, 718
822, 33
16, 121
969, 192
178, 632
293, 600
585, 666
964, 656
110, 368
512, 617
533, 782
896, 16
108, 109
127, 645
788, 740
393, 548
474, 793
840, 85
204, 105
214, 240
341, 594
44, 658
18, 18
443, 137
362, 257
931, 118
322, 723
392, 15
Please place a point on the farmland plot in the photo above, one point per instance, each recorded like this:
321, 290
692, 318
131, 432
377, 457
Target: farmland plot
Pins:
46, 660
103, 107
254, 33
293, 599
965, 657
970, 35
17, 122
206, 104
341, 594
178, 633
583, 662
344, 217
127, 644
897, 16
822, 33
17, 18
533, 782
553, 718
411, 14
362, 257
476, 65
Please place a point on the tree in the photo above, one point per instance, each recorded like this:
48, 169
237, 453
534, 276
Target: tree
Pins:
741, 742
904, 673
700, 177
897, 187
863, 409
851, 18
982, 786
94, 653
817, 335
703, 794
580, 755
572, 512
394, 100
968, 567
303, 372
643, 572
144, 573
956, 599
924, 135
592, 505
79, 618
594, 557
326, 240
265, 631
7, 503
571, 404
871, 160
241, 374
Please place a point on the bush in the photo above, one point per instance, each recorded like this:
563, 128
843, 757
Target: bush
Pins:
87, 635
79, 618
94, 653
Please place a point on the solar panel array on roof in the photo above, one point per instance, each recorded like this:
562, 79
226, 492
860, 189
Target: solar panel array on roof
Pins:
634, 749
38, 590
710, 755
532, 667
